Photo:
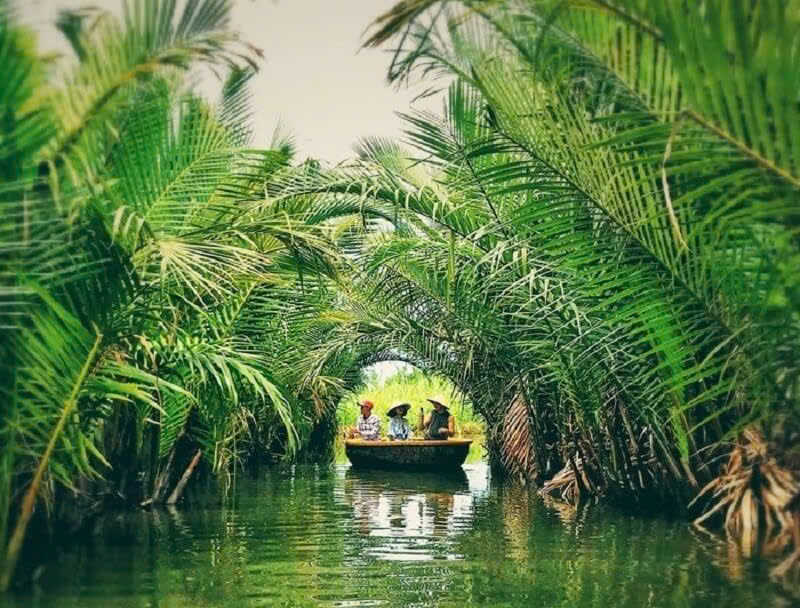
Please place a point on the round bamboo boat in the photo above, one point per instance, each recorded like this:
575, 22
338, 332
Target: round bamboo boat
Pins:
412, 454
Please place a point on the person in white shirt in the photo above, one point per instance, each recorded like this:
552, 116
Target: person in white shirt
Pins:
398, 425
368, 425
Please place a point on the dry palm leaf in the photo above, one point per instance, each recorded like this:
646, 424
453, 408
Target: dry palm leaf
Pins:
754, 496
516, 441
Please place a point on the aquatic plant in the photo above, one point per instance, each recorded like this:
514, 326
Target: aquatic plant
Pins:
149, 273
596, 241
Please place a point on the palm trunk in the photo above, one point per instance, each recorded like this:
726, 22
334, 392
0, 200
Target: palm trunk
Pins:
29, 501
176, 493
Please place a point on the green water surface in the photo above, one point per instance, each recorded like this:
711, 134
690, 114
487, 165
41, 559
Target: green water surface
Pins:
318, 536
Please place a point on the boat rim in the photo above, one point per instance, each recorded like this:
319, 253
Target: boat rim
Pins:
383, 443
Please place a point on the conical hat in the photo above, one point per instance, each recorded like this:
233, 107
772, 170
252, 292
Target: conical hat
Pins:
393, 410
438, 399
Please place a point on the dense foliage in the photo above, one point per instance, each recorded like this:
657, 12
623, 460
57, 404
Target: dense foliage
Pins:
154, 286
596, 243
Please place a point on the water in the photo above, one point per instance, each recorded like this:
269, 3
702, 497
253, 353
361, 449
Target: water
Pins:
338, 537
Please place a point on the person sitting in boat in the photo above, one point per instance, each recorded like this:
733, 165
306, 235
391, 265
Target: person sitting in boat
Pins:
368, 425
440, 423
398, 425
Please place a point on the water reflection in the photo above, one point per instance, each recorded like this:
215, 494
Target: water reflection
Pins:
309, 536
734, 558
416, 514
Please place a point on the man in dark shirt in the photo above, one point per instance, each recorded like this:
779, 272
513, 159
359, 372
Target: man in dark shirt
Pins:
440, 423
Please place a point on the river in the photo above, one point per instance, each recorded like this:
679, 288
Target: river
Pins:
319, 536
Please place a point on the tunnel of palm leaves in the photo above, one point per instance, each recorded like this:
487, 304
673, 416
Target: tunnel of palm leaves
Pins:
595, 241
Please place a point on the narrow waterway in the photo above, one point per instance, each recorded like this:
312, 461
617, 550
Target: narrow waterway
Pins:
311, 536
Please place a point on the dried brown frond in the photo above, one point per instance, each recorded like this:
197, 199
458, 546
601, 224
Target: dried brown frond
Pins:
753, 497
568, 484
516, 441
319, 406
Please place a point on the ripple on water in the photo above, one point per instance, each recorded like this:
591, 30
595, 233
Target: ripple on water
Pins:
340, 537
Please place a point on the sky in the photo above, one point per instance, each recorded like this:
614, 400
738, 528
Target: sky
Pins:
313, 79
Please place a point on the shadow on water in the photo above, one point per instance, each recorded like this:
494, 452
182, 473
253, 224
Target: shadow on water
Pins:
316, 536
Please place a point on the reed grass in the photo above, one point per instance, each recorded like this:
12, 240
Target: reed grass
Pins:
414, 387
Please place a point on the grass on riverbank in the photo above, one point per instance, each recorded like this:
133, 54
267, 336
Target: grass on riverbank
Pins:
413, 387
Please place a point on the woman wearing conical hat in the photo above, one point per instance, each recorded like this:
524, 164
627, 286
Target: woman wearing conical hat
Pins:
440, 423
398, 425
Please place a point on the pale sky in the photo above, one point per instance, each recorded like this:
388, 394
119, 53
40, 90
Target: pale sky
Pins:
313, 78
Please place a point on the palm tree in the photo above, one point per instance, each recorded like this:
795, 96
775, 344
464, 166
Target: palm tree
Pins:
149, 259
598, 238
64, 276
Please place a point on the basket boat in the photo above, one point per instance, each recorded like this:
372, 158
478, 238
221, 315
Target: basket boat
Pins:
413, 454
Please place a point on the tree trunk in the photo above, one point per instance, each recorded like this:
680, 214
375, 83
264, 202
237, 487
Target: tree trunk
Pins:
176, 493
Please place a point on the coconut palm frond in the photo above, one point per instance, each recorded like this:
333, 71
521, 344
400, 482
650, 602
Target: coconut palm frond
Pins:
582, 129
138, 252
152, 37
60, 365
